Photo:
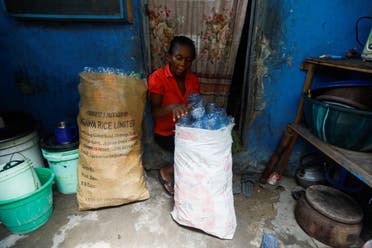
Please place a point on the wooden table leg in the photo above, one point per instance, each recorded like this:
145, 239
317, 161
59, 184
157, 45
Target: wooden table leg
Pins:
305, 88
274, 159
288, 140
287, 153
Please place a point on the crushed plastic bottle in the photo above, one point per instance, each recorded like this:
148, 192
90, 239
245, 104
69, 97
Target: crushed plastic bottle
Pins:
269, 241
211, 121
210, 107
211, 117
185, 121
195, 100
197, 124
112, 70
198, 112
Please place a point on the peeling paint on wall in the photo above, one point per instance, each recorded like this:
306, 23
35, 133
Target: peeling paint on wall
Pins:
264, 51
267, 41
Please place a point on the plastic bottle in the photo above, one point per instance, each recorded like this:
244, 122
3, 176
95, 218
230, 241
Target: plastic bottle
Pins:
210, 107
195, 100
185, 121
269, 241
198, 112
197, 124
211, 122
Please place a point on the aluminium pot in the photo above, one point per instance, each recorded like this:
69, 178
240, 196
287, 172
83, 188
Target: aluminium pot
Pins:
311, 170
329, 215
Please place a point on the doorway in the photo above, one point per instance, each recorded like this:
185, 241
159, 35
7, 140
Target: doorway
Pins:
222, 32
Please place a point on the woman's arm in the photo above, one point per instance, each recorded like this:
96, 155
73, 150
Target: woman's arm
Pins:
157, 110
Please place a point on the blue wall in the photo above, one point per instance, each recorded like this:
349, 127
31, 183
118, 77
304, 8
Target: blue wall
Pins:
40, 62
296, 30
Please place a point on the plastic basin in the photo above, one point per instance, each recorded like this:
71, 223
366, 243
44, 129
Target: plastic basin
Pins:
29, 212
344, 127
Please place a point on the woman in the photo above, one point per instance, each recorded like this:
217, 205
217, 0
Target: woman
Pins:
169, 87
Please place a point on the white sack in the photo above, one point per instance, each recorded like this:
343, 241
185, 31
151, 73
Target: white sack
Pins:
203, 196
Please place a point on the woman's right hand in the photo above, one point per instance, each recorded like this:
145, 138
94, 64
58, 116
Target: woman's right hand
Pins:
179, 110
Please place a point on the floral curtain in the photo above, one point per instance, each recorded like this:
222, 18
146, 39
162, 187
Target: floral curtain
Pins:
215, 27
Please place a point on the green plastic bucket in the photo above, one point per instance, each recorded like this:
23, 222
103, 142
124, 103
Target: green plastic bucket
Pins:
29, 212
64, 165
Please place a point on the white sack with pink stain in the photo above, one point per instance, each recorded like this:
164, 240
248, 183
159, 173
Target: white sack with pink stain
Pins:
203, 180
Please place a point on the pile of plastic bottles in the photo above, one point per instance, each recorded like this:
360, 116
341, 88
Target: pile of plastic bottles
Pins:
112, 70
210, 116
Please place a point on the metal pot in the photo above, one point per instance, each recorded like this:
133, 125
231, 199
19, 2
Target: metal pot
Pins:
353, 93
329, 215
311, 170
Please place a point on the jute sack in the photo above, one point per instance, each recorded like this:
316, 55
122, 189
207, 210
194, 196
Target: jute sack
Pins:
110, 170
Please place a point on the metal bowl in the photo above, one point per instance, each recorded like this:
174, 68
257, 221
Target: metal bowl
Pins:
357, 94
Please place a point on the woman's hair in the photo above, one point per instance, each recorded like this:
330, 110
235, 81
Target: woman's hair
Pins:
183, 41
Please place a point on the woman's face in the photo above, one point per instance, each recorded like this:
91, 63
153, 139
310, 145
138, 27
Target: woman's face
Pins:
180, 60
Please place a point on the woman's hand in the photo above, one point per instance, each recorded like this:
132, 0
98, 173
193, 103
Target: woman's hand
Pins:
179, 110
176, 110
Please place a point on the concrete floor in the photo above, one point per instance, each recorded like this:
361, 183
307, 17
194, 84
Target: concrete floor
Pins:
149, 224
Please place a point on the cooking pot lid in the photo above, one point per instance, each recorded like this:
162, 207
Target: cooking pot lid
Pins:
334, 204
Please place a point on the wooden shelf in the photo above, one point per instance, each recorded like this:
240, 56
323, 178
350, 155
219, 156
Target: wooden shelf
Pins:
345, 64
358, 163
